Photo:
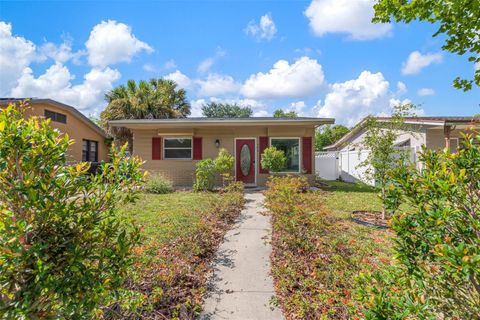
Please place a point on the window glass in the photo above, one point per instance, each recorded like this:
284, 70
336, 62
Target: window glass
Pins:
177, 148
291, 148
55, 116
178, 143
49, 115
90, 151
178, 153
84, 150
61, 118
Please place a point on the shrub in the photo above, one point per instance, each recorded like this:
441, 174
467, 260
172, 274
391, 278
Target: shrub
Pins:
158, 184
204, 175
438, 240
273, 159
64, 250
224, 164
234, 186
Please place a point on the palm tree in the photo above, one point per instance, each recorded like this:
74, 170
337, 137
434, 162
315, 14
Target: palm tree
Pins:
154, 99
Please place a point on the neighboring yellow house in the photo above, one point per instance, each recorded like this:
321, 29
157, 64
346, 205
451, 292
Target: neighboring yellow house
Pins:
172, 147
89, 139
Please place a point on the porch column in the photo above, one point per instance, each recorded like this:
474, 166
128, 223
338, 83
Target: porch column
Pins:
446, 134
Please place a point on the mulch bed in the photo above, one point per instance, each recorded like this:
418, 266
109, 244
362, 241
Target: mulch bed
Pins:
370, 218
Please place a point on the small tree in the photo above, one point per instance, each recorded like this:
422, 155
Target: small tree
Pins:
382, 155
64, 249
273, 159
437, 242
224, 165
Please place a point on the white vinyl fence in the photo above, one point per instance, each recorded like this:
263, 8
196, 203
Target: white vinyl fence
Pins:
345, 165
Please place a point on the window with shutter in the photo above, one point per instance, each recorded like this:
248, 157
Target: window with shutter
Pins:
263, 144
156, 148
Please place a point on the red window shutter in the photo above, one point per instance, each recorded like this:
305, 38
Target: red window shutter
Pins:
307, 154
263, 144
156, 148
197, 148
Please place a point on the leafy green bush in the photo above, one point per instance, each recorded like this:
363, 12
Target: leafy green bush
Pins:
224, 165
273, 159
158, 184
64, 249
204, 175
438, 240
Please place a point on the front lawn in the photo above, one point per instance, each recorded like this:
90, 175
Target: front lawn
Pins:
318, 251
180, 234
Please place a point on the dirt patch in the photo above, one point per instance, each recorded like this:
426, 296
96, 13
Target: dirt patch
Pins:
370, 218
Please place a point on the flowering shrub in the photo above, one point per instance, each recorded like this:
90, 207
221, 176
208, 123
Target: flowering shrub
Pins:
437, 244
64, 250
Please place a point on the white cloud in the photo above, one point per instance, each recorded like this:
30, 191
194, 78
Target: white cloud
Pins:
401, 88
182, 80
196, 107
264, 30
111, 42
352, 100
302, 78
56, 83
16, 53
149, 67
205, 65
345, 16
216, 84
60, 53
426, 92
417, 61
170, 64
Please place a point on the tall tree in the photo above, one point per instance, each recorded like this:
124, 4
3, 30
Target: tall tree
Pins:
225, 110
328, 135
154, 99
459, 20
279, 113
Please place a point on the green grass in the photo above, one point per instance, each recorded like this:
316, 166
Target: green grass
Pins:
165, 217
180, 232
343, 197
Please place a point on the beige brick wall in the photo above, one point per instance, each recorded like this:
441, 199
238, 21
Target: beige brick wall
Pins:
182, 172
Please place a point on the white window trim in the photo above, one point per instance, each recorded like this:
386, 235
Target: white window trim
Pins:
299, 152
177, 148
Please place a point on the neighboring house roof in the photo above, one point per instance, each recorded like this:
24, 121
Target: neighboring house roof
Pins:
205, 122
426, 121
66, 107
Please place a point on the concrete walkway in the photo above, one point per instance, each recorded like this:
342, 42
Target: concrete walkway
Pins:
241, 286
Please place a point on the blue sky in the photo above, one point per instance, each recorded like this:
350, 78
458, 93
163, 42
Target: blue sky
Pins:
321, 58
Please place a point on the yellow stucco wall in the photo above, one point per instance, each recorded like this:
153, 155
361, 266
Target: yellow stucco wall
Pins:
76, 129
181, 172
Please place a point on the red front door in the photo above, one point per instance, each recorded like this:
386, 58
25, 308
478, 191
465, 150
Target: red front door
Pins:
245, 160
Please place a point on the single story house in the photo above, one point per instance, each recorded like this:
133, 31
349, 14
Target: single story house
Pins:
89, 139
431, 132
344, 159
172, 147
